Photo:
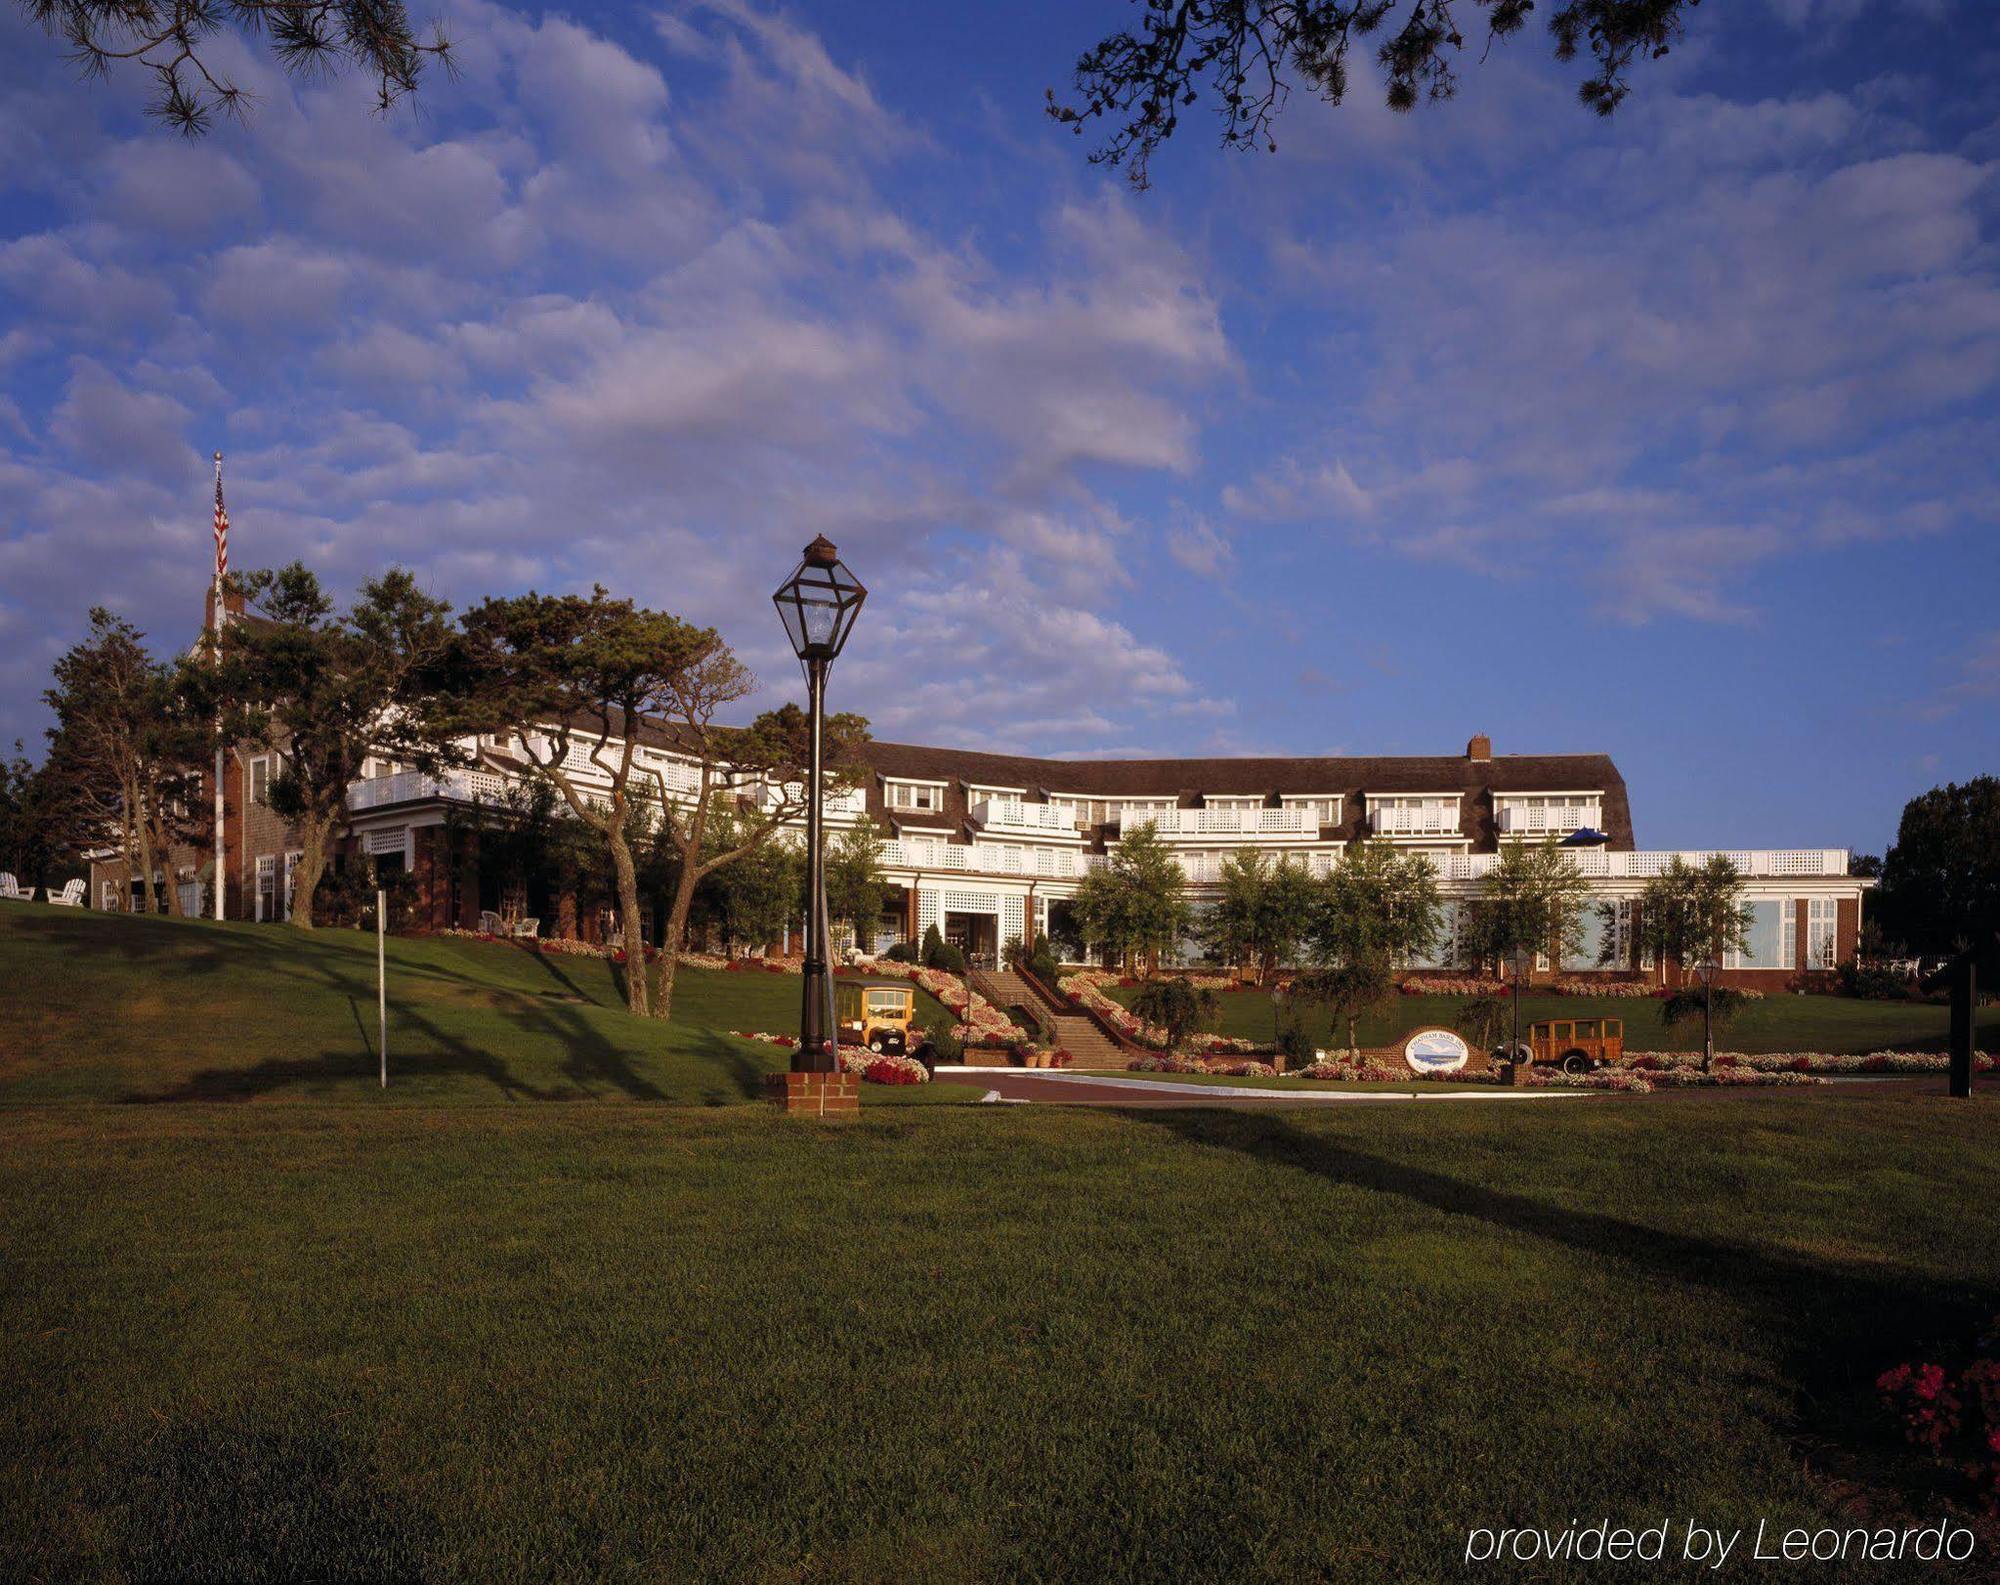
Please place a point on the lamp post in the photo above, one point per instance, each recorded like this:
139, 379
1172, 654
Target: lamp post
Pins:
818, 605
1707, 968
1518, 963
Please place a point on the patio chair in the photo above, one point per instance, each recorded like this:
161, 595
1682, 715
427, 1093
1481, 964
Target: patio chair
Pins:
491, 924
528, 929
71, 896
10, 890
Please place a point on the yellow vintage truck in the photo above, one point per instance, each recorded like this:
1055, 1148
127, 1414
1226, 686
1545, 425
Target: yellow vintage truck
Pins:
876, 1014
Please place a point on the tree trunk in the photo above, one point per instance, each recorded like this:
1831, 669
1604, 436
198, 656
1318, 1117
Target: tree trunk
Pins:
142, 830
627, 875
566, 913
165, 846
684, 885
314, 834
1353, 1044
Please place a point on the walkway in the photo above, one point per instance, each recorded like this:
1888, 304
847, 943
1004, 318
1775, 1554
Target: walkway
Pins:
1093, 1089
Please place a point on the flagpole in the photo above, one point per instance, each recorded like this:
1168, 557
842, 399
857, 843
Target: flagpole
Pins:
215, 623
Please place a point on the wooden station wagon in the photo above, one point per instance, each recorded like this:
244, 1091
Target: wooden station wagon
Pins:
1577, 1045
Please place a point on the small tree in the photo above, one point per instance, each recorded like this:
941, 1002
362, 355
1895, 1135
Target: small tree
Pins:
1690, 913
1350, 989
758, 774
41, 836
1694, 914
1378, 908
1486, 1021
573, 680
1262, 913
126, 748
327, 690
1176, 1005
754, 899
1532, 900
855, 887
1696, 1006
1135, 905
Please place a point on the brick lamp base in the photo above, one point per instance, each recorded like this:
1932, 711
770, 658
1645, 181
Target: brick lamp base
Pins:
827, 1095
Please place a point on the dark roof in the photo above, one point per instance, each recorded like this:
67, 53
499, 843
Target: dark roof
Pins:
1187, 780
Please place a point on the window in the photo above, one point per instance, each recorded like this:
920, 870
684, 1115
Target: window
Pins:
291, 864
1822, 933
1765, 948
260, 781
267, 885
913, 795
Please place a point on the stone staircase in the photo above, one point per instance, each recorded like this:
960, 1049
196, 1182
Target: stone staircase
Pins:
1074, 1033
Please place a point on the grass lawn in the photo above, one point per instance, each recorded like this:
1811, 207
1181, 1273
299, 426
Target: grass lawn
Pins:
961, 1343
111, 1007
1777, 1023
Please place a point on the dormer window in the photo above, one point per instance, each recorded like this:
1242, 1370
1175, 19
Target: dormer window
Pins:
922, 796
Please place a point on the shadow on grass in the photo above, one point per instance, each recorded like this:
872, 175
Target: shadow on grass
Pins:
230, 1497
565, 1023
1835, 1327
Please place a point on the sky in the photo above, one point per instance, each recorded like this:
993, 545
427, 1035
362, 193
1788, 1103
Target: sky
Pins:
1672, 437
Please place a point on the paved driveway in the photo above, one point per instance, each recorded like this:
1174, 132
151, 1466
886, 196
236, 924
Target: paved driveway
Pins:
1090, 1089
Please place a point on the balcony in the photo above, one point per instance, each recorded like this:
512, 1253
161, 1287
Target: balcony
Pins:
461, 786
1186, 824
1430, 820
1010, 814
1519, 820
1601, 864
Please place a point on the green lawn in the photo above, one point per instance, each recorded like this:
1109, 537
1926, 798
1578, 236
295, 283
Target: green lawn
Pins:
1776, 1023
961, 1343
110, 1007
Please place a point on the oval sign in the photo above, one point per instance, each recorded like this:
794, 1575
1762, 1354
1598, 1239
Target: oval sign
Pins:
1436, 1051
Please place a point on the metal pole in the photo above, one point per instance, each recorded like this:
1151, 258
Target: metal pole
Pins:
1964, 998
382, 979
815, 1021
1707, 1017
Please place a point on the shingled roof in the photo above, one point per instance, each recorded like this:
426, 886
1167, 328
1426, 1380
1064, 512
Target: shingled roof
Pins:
1187, 779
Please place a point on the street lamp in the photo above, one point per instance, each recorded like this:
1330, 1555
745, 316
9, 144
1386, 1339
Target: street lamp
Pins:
1707, 968
818, 605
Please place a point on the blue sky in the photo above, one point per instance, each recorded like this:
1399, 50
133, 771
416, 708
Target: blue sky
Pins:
1673, 438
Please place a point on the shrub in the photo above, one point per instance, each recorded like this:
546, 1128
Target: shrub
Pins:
901, 952
946, 1046
1872, 982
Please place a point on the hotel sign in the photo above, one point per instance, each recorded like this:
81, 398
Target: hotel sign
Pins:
1436, 1051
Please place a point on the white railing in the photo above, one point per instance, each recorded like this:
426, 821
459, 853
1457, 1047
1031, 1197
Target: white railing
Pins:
407, 786
1237, 823
1431, 821
1514, 820
1601, 864
1011, 814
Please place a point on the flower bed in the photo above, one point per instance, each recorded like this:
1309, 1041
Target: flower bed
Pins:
1635, 988
1803, 1062
1163, 1063
1445, 985
873, 1069
1954, 1415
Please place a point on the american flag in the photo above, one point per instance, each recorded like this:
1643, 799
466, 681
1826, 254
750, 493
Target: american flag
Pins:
221, 528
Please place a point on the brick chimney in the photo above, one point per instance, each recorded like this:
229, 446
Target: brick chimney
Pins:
1480, 749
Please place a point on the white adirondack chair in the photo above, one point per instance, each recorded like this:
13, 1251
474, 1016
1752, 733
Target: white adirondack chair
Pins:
71, 896
10, 890
491, 924
528, 929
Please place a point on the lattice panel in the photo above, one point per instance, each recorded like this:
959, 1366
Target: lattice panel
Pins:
1010, 919
928, 912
